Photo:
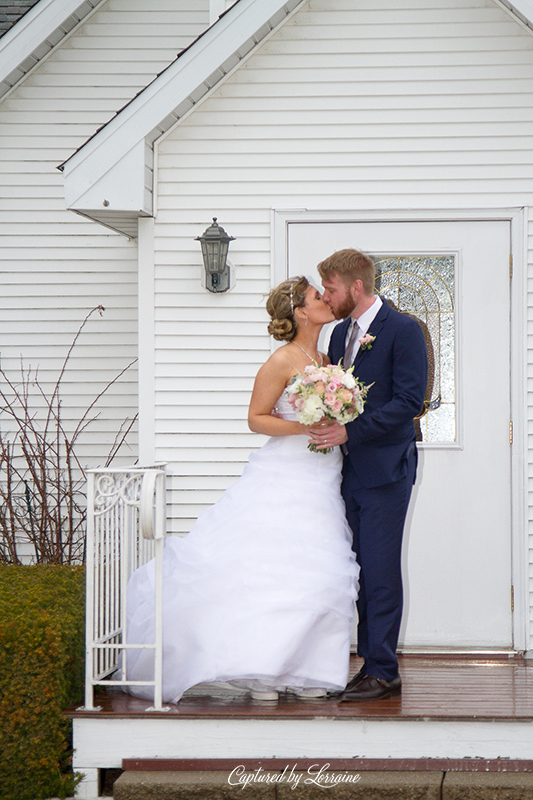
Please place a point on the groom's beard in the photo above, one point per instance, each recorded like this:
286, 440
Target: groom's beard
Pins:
344, 309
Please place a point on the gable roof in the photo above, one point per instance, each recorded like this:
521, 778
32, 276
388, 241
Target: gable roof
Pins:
110, 178
35, 32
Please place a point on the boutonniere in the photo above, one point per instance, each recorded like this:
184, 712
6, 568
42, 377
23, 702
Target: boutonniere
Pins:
367, 341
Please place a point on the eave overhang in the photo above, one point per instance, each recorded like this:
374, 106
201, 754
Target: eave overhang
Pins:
110, 179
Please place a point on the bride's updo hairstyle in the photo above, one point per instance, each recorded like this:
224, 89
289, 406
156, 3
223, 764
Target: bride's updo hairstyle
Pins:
280, 305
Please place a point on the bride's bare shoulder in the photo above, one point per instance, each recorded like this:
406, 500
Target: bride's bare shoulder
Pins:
281, 357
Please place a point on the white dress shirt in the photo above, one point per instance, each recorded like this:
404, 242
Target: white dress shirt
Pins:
364, 321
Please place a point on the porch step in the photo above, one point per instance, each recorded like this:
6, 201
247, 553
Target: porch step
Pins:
217, 786
383, 785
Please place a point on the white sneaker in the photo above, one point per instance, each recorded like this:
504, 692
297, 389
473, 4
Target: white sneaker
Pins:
308, 694
260, 695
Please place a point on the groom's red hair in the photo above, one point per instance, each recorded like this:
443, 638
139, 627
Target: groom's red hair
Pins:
350, 265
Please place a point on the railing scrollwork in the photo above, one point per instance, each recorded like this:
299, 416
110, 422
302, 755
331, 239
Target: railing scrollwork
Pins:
126, 521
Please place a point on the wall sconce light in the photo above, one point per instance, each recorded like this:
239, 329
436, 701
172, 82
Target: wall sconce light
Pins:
215, 242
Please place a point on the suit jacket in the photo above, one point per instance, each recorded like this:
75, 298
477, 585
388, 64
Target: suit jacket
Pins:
381, 439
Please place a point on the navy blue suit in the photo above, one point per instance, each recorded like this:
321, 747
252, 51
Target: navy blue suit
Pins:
379, 472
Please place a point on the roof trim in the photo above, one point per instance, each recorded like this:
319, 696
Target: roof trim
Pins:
47, 23
113, 170
36, 33
522, 9
110, 178
11, 14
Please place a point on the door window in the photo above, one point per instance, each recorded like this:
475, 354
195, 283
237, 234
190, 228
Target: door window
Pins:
423, 287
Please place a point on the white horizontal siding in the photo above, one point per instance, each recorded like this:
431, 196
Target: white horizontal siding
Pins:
374, 104
55, 266
209, 349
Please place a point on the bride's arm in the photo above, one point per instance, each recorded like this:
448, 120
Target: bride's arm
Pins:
269, 384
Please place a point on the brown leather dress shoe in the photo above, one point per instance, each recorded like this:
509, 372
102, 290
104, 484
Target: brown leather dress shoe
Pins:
350, 685
369, 688
355, 681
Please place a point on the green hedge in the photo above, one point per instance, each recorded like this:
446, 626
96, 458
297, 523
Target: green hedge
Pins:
41, 674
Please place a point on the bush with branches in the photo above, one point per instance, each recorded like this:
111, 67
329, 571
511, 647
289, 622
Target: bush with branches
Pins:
42, 499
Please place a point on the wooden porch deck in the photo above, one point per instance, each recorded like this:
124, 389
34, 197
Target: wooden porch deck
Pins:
456, 713
488, 687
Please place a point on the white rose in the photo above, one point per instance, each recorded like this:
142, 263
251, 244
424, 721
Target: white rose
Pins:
348, 381
312, 411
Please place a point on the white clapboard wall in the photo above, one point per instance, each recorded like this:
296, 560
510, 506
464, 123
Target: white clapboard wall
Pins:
55, 265
378, 104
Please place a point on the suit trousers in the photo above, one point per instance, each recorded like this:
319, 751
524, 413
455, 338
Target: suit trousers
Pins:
377, 517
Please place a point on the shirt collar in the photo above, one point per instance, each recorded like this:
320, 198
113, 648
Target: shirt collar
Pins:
367, 318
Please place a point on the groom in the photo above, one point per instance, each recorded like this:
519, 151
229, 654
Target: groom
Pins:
387, 349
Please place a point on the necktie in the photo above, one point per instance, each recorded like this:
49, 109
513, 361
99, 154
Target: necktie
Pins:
350, 347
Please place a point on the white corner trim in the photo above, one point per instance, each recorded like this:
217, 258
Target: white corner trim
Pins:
181, 79
519, 415
146, 255
32, 30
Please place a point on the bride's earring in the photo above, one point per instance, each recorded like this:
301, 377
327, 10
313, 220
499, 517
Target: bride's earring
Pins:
305, 323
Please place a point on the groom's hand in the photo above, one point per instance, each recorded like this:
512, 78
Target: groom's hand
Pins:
328, 435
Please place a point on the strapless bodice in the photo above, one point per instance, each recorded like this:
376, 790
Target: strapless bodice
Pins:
284, 407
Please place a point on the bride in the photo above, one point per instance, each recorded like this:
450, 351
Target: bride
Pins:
261, 592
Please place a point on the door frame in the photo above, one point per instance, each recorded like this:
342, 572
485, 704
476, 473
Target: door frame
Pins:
518, 218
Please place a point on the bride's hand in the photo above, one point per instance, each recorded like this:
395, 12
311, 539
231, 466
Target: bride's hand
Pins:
327, 435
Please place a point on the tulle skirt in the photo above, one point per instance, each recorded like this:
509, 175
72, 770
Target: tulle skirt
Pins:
261, 592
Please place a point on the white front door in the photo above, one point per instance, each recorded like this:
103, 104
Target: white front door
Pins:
454, 277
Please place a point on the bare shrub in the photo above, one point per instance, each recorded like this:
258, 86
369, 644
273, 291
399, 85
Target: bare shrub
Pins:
42, 481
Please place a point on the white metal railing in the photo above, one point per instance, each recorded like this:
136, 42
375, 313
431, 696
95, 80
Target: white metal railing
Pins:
126, 522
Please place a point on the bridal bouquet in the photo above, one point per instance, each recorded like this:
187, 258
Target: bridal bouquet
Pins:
330, 392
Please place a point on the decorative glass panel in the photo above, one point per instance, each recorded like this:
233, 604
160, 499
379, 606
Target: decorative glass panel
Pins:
423, 287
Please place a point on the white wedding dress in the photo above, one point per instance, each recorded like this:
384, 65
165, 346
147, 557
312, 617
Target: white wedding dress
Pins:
261, 592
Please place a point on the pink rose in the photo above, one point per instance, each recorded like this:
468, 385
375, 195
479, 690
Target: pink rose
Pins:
366, 341
313, 373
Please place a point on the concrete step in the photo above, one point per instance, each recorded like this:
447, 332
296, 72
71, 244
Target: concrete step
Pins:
263, 785
487, 786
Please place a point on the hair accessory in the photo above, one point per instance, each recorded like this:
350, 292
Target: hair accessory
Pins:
295, 280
